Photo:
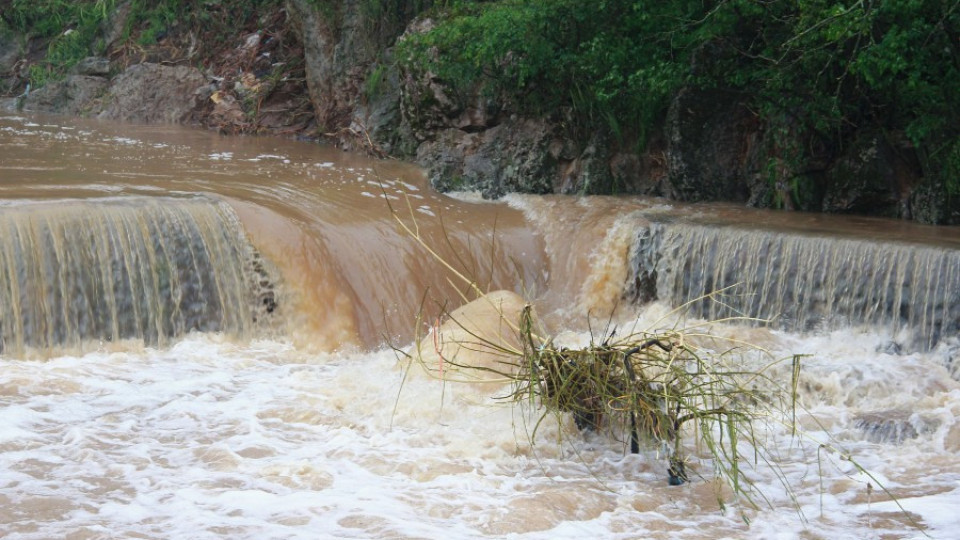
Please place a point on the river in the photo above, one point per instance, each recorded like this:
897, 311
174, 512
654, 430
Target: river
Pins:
203, 337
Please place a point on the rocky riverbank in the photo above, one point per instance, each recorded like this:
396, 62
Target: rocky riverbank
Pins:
325, 70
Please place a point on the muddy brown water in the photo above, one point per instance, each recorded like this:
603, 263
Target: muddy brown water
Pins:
351, 274
214, 414
329, 223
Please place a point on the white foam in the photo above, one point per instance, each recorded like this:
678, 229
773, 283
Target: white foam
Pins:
212, 438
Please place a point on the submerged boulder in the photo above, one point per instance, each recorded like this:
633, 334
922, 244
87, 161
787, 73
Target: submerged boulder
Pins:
470, 344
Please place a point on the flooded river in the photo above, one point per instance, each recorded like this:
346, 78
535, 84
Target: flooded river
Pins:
202, 337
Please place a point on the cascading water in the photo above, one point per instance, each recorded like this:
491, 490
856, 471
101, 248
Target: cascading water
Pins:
800, 282
111, 269
113, 231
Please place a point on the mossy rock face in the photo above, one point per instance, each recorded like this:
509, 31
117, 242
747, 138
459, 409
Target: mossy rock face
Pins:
930, 203
708, 142
379, 114
342, 40
864, 179
590, 173
512, 157
426, 105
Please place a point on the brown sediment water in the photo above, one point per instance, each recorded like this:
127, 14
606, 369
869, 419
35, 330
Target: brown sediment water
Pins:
110, 269
196, 334
792, 271
351, 276
362, 247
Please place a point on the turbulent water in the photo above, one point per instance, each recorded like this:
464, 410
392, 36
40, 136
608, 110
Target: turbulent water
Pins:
112, 269
802, 283
198, 339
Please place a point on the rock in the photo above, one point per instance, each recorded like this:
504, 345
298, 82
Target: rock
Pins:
74, 95
427, 106
332, 84
482, 113
930, 204
471, 341
589, 173
949, 356
379, 114
643, 174
10, 52
785, 165
154, 93
893, 426
94, 66
443, 158
340, 46
866, 178
113, 28
708, 141
513, 156
468, 141
644, 258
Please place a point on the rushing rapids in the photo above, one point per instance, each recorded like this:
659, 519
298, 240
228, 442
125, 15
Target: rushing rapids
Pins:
801, 282
248, 292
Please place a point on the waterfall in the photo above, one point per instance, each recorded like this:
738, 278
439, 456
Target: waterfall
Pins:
800, 282
110, 269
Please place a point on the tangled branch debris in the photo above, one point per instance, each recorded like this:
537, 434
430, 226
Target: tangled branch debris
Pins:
650, 387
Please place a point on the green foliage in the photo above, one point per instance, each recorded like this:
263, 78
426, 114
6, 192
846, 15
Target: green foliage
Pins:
63, 52
387, 19
825, 68
597, 63
218, 19
73, 27
70, 26
842, 65
374, 81
47, 18
154, 18
951, 168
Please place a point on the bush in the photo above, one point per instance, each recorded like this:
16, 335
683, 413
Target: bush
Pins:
820, 69
590, 64
70, 26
